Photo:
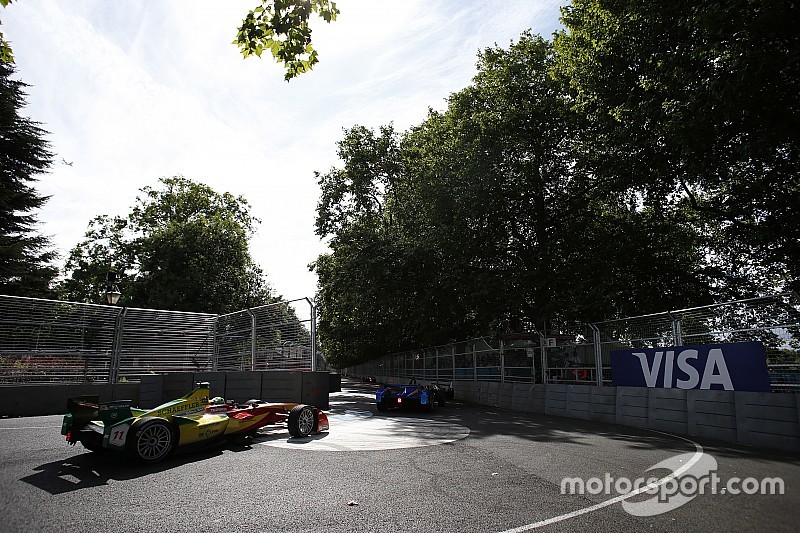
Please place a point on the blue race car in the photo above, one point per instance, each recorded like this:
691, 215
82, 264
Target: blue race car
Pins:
394, 396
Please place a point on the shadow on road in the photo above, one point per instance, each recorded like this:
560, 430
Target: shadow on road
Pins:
486, 422
92, 469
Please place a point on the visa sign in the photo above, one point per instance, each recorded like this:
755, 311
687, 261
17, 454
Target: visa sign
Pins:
738, 366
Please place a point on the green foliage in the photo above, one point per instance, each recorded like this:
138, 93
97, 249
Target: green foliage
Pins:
696, 104
182, 247
282, 27
6, 54
25, 258
480, 218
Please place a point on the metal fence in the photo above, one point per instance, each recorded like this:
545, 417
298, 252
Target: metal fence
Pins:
271, 337
581, 353
53, 341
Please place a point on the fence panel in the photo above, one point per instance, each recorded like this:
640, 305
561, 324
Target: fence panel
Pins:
581, 354
45, 341
637, 332
774, 321
522, 356
269, 337
569, 355
160, 342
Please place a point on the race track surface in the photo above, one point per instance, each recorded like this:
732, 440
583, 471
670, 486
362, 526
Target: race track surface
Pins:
462, 468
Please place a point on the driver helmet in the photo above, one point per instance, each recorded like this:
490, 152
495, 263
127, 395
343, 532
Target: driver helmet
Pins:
217, 400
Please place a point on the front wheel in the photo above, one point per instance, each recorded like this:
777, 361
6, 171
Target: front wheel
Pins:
152, 440
302, 421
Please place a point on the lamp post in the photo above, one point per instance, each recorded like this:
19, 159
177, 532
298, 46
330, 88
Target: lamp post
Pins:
112, 291
112, 296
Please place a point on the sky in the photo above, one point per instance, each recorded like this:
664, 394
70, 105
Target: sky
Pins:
135, 90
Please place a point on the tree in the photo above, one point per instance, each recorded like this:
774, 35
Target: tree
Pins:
695, 107
6, 55
182, 247
25, 257
280, 26
264, 26
480, 219
361, 280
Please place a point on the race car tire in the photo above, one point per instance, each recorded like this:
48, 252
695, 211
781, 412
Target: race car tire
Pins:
428, 407
152, 440
302, 421
441, 398
381, 405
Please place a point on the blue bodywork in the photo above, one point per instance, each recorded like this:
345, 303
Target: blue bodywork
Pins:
412, 393
395, 396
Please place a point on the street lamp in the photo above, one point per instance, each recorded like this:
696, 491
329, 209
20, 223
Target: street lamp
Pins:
112, 291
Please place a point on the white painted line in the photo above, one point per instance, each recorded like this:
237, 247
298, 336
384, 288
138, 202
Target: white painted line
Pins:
698, 454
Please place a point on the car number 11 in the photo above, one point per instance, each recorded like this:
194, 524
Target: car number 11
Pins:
118, 435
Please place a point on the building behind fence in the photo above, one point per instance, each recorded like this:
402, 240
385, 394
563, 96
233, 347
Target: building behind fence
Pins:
581, 354
53, 341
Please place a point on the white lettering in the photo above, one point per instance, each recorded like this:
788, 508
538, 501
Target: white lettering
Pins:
650, 374
668, 369
723, 377
690, 371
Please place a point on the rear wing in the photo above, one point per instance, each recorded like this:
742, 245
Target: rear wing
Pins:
80, 411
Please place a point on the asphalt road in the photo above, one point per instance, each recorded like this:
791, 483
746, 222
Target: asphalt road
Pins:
462, 468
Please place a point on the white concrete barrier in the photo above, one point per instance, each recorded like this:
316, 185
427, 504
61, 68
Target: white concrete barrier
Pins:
760, 419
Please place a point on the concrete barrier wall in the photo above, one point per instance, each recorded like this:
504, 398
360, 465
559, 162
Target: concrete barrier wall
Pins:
281, 388
632, 405
603, 404
759, 419
753, 418
527, 397
315, 389
150, 391
668, 410
578, 402
176, 385
768, 419
555, 400
712, 414
37, 400
153, 390
243, 386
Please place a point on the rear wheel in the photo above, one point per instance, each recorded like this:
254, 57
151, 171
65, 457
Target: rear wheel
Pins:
441, 399
428, 407
152, 440
302, 421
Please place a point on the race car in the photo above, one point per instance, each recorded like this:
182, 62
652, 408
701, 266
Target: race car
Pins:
413, 395
149, 435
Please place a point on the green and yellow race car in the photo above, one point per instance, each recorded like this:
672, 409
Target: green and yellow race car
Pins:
192, 420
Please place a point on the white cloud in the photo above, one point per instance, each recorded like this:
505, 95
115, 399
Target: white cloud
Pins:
132, 91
